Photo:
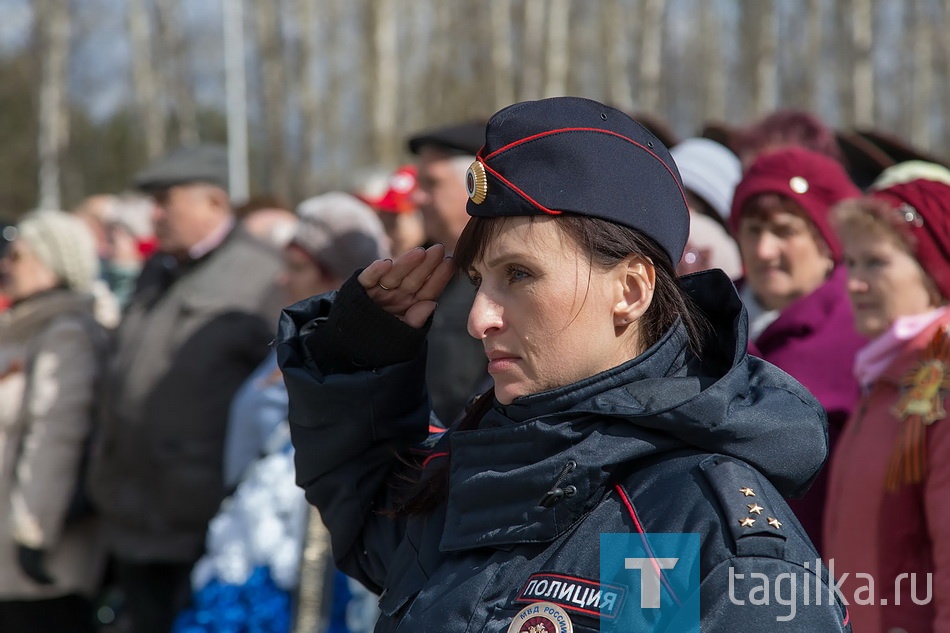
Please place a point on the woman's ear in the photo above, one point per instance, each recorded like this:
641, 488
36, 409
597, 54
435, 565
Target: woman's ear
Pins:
637, 281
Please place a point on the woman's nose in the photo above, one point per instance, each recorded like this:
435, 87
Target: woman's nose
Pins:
484, 316
766, 247
856, 283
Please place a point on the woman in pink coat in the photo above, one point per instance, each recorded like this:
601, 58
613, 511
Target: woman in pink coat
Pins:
887, 523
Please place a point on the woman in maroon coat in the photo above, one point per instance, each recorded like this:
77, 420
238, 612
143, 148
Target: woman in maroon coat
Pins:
799, 315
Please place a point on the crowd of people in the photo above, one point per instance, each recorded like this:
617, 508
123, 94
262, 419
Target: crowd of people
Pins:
442, 419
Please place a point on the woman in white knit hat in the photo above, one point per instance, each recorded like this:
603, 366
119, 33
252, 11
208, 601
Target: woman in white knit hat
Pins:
50, 354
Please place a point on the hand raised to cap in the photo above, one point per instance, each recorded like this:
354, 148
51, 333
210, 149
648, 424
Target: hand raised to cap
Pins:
409, 286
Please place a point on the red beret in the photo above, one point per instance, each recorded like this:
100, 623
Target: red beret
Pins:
814, 181
925, 205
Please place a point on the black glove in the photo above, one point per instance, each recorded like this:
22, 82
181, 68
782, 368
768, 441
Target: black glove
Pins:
33, 564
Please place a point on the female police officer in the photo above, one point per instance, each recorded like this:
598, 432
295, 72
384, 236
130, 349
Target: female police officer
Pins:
624, 403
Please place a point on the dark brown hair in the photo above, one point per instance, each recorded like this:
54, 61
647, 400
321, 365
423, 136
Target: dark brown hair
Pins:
606, 244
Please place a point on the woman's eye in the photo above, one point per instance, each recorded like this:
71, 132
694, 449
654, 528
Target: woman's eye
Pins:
475, 280
517, 274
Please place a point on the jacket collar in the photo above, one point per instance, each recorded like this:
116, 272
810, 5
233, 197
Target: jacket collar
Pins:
24, 319
666, 399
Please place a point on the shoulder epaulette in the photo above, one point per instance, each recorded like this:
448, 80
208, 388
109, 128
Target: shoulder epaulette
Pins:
753, 509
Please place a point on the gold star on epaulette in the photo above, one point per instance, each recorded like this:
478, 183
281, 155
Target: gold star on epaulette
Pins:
774, 522
755, 508
747, 522
747, 491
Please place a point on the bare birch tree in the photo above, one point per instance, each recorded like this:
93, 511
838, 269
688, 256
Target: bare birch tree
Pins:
615, 30
145, 81
385, 93
334, 117
711, 63
53, 28
174, 56
558, 47
923, 84
862, 29
502, 56
308, 98
765, 92
532, 57
812, 56
844, 66
273, 94
943, 72
651, 54
440, 59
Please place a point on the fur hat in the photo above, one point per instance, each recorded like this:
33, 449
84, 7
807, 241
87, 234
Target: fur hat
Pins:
340, 232
815, 182
64, 244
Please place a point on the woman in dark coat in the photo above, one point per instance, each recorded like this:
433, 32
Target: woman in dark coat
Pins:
624, 405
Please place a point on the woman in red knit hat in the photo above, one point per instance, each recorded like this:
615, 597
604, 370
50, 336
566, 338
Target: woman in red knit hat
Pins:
887, 527
799, 314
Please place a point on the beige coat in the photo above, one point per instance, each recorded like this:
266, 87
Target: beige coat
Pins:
42, 434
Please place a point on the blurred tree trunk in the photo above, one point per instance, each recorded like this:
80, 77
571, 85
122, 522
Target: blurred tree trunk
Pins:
440, 60
145, 81
273, 95
305, 13
502, 56
53, 28
650, 37
844, 68
331, 118
558, 47
385, 91
862, 33
943, 72
765, 86
922, 79
812, 57
174, 56
711, 64
532, 65
616, 35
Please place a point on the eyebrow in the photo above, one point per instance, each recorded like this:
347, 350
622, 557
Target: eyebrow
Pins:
507, 256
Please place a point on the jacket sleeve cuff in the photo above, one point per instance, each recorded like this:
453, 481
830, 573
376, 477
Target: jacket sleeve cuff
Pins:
357, 334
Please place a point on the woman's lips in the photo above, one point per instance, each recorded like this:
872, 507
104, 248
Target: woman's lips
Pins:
499, 363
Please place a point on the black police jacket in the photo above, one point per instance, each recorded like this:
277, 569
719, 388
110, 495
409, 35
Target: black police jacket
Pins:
666, 443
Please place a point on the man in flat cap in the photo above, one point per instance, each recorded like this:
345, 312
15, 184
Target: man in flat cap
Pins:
198, 323
456, 362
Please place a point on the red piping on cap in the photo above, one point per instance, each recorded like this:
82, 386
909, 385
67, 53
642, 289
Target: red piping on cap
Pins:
517, 190
575, 129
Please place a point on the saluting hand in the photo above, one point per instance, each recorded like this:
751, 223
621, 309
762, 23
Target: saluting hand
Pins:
409, 286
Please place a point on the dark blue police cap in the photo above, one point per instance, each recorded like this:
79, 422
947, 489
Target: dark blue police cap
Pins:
573, 155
